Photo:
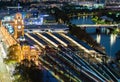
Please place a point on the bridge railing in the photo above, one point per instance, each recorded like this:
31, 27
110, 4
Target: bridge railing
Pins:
98, 25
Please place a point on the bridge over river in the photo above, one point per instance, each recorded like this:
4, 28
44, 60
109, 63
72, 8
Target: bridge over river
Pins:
98, 25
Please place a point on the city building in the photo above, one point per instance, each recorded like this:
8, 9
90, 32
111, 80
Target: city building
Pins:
112, 1
13, 42
46, 28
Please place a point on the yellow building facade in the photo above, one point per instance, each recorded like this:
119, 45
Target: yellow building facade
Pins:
21, 52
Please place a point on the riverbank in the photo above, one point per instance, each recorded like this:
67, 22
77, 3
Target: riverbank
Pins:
82, 35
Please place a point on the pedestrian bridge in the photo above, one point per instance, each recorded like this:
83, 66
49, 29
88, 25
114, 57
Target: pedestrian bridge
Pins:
98, 25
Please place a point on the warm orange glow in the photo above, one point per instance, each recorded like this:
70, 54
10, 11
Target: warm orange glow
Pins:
18, 26
8, 38
18, 52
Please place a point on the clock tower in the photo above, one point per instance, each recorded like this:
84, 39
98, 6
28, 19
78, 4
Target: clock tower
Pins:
18, 26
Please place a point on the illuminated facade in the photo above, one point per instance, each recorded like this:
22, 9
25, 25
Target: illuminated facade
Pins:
18, 26
21, 52
30, 53
8, 39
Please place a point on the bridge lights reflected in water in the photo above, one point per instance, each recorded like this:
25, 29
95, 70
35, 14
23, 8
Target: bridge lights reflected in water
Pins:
98, 38
112, 42
112, 39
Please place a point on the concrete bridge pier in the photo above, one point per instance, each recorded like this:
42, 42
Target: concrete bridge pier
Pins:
109, 30
84, 28
98, 30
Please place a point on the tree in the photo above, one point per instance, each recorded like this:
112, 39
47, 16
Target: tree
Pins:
26, 71
21, 72
82, 35
13, 55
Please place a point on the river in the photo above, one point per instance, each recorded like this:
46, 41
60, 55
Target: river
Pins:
109, 41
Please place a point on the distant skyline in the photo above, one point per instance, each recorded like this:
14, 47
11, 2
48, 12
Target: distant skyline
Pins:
45, 0
106, 1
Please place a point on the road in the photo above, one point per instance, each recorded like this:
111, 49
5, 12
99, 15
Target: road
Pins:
4, 73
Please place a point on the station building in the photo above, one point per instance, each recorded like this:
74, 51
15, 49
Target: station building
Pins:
13, 43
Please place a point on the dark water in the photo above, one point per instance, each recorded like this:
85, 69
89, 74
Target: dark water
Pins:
82, 20
110, 42
47, 77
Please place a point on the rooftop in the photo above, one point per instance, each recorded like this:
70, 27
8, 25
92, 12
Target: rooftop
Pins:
55, 26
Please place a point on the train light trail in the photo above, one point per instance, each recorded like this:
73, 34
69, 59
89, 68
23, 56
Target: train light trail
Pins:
76, 43
54, 44
35, 40
59, 40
